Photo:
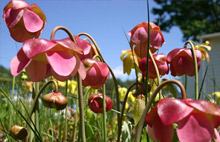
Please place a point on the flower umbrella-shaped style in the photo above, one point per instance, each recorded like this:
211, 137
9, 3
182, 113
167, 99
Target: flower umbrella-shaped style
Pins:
96, 73
196, 119
96, 103
42, 58
139, 37
181, 61
162, 65
24, 21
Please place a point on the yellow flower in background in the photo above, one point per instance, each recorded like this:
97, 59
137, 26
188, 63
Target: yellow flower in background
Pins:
131, 98
72, 87
217, 94
28, 86
122, 92
61, 83
204, 48
128, 61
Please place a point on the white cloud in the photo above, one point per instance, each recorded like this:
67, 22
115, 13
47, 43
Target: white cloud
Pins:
118, 72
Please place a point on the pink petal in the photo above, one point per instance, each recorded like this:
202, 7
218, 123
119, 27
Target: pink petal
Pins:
155, 39
150, 133
59, 77
195, 128
82, 70
38, 11
172, 110
163, 133
33, 47
17, 4
13, 17
204, 106
68, 43
32, 21
19, 62
103, 69
216, 136
62, 62
151, 116
36, 71
172, 54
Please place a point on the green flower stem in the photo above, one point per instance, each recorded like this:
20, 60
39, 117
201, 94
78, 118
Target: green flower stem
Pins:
104, 116
151, 100
66, 114
36, 112
185, 84
123, 109
10, 108
38, 95
113, 76
148, 50
81, 109
195, 67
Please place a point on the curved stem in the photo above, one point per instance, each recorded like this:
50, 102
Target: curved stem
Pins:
195, 67
64, 29
155, 67
38, 95
123, 109
81, 109
113, 76
151, 100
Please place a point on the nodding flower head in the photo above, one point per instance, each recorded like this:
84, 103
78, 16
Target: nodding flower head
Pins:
24, 21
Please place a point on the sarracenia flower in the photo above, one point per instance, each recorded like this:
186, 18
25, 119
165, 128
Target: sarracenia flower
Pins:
181, 61
161, 61
96, 73
139, 37
42, 58
55, 100
24, 21
196, 120
96, 103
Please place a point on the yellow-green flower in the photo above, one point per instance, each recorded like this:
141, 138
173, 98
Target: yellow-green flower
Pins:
204, 48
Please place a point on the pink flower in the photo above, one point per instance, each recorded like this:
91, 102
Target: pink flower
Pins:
181, 61
23, 20
96, 103
139, 37
88, 51
96, 73
161, 61
42, 58
196, 120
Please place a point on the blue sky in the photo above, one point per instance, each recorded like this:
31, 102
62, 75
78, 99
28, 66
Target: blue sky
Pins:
102, 19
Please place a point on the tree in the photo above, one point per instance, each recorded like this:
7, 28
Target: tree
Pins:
193, 17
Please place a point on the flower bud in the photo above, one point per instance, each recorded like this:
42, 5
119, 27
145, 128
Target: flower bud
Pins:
96, 103
18, 132
55, 100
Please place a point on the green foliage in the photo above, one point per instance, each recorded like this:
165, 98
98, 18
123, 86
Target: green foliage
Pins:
193, 17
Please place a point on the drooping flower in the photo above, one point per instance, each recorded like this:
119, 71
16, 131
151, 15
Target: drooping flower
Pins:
42, 58
96, 73
139, 38
181, 61
24, 21
88, 51
55, 100
196, 120
18, 132
96, 103
161, 61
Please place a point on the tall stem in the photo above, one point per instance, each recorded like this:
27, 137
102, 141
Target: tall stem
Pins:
151, 100
81, 109
148, 50
66, 114
195, 67
104, 115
